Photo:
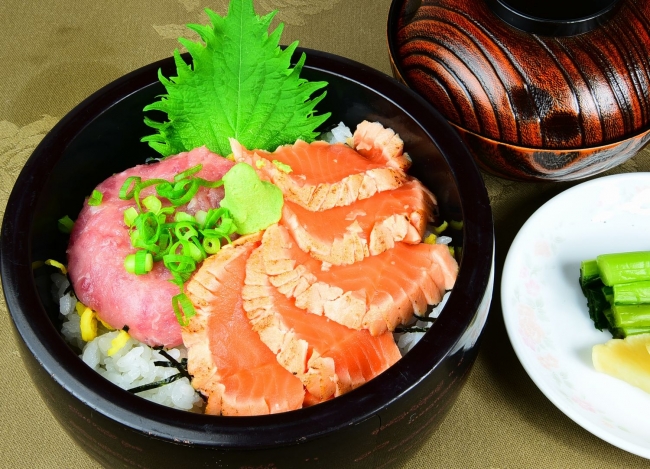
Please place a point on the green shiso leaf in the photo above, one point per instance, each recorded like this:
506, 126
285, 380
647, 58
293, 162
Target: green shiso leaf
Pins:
240, 84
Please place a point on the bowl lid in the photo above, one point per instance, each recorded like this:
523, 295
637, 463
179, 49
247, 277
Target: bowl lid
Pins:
554, 17
529, 73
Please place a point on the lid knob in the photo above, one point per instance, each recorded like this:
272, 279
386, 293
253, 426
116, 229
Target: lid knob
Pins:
554, 17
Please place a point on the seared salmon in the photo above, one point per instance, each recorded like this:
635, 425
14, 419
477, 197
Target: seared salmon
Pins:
378, 293
380, 144
230, 365
319, 176
329, 359
344, 235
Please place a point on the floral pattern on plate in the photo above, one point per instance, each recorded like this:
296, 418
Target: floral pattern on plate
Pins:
546, 315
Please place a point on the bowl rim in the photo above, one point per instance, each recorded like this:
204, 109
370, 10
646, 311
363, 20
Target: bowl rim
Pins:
603, 146
61, 363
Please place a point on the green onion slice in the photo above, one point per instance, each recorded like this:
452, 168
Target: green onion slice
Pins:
65, 224
139, 263
143, 185
188, 172
183, 308
160, 232
128, 187
178, 193
211, 245
95, 198
213, 216
152, 203
185, 217
209, 184
185, 230
199, 217
130, 214
179, 263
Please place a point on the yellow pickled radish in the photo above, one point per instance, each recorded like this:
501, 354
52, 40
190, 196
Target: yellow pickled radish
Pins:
626, 359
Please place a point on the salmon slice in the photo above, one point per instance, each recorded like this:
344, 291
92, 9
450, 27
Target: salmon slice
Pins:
344, 235
329, 359
319, 176
229, 363
378, 293
379, 144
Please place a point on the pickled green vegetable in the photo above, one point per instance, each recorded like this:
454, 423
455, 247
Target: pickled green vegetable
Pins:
624, 267
617, 289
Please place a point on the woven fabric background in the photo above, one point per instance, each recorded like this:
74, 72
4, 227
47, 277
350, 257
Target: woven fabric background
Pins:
55, 53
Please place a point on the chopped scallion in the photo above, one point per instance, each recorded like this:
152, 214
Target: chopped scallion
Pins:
183, 309
211, 245
186, 217
160, 232
139, 263
128, 187
65, 225
188, 172
185, 230
95, 198
152, 203
130, 214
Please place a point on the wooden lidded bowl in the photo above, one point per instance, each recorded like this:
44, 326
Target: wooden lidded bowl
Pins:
539, 90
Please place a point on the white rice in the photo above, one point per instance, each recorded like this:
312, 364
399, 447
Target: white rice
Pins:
339, 134
132, 365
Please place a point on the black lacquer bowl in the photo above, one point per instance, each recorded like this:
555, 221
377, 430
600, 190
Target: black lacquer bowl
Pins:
378, 424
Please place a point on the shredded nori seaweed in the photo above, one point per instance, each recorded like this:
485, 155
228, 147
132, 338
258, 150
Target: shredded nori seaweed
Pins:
156, 384
411, 329
424, 318
171, 363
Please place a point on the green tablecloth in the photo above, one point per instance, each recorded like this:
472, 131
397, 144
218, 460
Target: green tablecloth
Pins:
54, 54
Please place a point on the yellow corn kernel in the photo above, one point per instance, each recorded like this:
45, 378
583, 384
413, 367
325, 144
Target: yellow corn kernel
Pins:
58, 265
118, 342
431, 239
452, 251
88, 325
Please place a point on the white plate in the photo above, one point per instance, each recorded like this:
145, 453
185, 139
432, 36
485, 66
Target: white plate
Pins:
546, 313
